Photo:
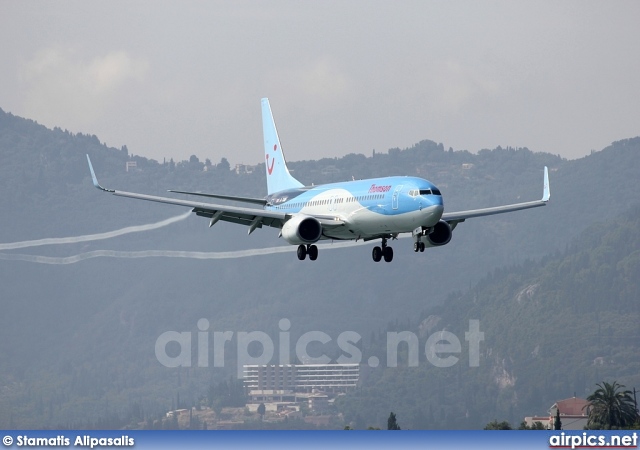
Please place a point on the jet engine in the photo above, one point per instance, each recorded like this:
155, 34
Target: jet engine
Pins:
441, 234
302, 229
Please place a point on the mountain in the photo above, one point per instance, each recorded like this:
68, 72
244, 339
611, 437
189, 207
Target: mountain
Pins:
78, 340
552, 329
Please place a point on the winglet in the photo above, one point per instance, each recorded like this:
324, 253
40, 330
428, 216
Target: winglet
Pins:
547, 192
95, 180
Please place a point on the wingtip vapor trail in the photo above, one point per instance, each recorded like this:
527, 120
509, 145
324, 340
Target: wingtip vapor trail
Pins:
64, 260
94, 237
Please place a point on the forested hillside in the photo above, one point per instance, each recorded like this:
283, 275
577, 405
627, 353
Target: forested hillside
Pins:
77, 340
552, 330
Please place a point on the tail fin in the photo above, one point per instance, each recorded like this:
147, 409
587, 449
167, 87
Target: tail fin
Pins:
278, 176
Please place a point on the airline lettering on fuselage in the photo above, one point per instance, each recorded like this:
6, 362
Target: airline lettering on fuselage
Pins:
375, 188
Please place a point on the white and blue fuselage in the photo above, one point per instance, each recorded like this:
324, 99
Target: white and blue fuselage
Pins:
368, 208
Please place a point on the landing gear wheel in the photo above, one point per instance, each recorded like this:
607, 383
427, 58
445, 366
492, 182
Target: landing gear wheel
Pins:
376, 254
388, 254
312, 251
302, 252
416, 246
421, 246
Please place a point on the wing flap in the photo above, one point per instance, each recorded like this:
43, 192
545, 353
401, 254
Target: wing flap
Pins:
240, 219
234, 214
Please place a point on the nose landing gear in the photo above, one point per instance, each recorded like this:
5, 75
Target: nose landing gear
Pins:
418, 233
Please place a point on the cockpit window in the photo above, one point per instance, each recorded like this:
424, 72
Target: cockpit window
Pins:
430, 192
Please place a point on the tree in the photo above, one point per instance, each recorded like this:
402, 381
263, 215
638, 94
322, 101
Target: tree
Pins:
495, 425
534, 426
611, 407
557, 423
217, 406
261, 410
194, 163
392, 423
224, 165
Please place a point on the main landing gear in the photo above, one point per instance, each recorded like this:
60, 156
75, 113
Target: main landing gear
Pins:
304, 250
384, 251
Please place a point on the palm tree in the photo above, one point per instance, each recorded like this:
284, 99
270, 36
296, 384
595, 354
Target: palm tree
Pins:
611, 407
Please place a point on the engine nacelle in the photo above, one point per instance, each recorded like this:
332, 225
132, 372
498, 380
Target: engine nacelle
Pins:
441, 234
302, 229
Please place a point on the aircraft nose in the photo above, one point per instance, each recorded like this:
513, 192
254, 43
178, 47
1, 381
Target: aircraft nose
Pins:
432, 215
438, 210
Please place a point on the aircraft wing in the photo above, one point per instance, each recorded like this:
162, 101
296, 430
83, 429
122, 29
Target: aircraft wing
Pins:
455, 217
252, 217
257, 201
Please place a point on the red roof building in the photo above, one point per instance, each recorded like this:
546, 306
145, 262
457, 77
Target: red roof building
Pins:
574, 414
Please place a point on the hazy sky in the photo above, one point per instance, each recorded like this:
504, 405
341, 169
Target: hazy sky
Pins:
176, 78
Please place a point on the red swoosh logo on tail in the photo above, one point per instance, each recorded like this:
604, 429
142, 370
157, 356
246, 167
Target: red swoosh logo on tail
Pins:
270, 169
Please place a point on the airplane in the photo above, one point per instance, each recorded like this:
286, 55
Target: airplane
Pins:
371, 209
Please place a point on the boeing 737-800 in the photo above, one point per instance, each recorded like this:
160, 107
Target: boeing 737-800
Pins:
377, 208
